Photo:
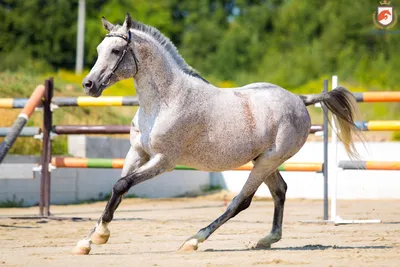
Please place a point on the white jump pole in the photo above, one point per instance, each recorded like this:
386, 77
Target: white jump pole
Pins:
333, 160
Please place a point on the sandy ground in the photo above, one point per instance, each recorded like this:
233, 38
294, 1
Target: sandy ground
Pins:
148, 232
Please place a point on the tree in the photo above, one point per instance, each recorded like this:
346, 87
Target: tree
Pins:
39, 29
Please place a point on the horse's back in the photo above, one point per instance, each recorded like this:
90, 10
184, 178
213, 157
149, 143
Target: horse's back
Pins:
274, 99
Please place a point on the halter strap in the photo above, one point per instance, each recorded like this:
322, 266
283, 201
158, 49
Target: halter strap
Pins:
128, 40
123, 36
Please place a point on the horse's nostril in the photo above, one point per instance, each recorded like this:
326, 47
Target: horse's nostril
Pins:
89, 84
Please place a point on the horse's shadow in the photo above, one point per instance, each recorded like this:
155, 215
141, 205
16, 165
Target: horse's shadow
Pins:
300, 248
17, 226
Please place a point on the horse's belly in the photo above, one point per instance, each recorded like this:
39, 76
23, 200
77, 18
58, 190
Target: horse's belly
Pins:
220, 158
211, 165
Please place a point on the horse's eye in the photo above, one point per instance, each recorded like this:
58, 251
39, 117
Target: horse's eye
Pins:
115, 51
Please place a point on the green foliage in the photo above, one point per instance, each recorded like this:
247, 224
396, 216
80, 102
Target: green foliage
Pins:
18, 84
211, 188
14, 203
39, 29
285, 42
396, 136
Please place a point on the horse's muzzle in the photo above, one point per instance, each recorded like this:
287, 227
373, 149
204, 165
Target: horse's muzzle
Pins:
91, 87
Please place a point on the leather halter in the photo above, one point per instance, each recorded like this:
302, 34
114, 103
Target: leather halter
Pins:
128, 40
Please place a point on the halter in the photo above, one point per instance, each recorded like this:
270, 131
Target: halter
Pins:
128, 41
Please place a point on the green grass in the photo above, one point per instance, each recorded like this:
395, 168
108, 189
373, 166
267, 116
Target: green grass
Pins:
211, 188
14, 203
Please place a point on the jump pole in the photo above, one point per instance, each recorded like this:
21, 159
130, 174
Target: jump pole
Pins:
372, 97
26, 131
105, 101
34, 101
370, 165
91, 129
333, 160
66, 162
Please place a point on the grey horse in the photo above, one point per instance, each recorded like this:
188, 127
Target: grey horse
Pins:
185, 120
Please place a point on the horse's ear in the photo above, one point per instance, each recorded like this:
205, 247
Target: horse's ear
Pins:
107, 25
128, 21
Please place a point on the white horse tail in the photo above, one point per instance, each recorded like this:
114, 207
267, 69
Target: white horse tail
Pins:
343, 105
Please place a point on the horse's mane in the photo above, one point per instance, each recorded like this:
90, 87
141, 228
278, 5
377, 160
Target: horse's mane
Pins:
169, 47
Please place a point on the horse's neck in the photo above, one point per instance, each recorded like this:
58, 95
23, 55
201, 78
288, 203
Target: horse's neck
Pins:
159, 80
155, 86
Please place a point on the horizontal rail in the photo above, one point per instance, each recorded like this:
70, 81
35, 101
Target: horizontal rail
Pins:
65, 162
92, 129
13, 102
104, 101
26, 131
125, 129
368, 126
370, 165
378, 125
83, 101
316, 128
387, 96
116, 129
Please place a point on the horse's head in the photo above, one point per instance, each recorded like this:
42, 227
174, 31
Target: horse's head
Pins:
116, 59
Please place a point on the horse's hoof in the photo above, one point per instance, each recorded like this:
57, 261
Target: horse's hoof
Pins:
188, 247
100, 238
82, 248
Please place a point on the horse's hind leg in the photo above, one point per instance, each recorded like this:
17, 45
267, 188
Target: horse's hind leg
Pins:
277, 187
263, 166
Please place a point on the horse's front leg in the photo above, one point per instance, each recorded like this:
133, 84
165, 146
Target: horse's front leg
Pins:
100, 233
135, 158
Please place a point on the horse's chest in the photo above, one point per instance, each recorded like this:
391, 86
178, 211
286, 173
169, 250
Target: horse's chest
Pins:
156, 137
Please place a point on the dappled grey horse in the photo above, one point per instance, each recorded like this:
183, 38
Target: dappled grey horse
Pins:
183, 119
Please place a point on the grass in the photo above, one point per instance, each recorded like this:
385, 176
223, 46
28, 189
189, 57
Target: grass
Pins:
211, 188
14, 203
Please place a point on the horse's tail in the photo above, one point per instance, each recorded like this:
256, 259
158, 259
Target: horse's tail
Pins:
343, 105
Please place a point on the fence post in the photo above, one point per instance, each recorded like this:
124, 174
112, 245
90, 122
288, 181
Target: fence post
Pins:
46, 150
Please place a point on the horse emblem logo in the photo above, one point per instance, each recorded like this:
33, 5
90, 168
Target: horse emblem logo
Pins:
385, 16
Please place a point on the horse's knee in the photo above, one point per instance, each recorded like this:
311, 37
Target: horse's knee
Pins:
121, 187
